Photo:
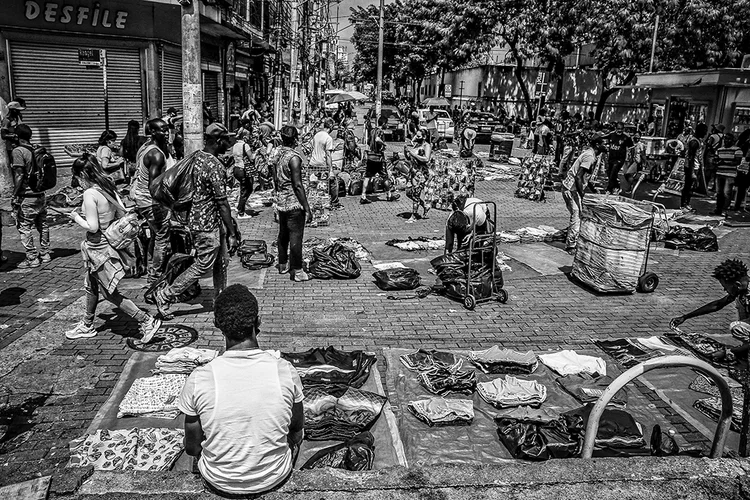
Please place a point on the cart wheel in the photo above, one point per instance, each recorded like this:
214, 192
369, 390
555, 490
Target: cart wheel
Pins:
502, 296
470, 302
648, 283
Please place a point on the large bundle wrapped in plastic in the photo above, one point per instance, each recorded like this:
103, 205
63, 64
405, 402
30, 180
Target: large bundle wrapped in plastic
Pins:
612, 243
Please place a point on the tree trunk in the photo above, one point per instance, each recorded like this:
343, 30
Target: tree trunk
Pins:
559, 73
609, 92
441, 88
519, 72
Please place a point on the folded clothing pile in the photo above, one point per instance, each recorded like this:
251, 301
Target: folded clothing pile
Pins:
148, 449
356, 454
419, 243
508, 391
423, 360
444, 381
154, 397
183, 360
339, 412
442, 412
330, 366
498, 360
569, 362
360, 251
588, 388
617, 428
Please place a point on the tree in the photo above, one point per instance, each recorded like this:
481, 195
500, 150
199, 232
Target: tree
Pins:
365, 41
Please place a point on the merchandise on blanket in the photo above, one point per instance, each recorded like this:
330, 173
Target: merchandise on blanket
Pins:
570, 363
356, 454
176, 265
617, 428
422, 360
183, 360
149, 449
317, 195
259, 199
339, 412
254, 254
536, 439
452, 270
535, 171
419, 243
685, 238
711, 407
528, 414
397, 279
587, 388
442, 412
509, 391
448, 178
330, 366
630, 352
153, 397
334, 261
360, 252
498, 360
506, 237
442, 381
701, 346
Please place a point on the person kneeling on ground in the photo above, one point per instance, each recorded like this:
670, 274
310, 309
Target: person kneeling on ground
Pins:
732, 275
461, 225
243, 410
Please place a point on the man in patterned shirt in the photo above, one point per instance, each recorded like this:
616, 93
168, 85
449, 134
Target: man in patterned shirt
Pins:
210, 220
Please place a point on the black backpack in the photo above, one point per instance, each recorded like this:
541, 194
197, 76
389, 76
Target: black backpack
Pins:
43, 173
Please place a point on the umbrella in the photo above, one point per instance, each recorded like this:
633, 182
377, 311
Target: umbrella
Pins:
436, 101
334, 91
359, 96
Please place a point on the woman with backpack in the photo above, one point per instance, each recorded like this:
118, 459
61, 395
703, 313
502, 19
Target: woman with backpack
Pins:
104, 265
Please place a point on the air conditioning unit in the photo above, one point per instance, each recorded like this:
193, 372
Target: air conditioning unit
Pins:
745, 62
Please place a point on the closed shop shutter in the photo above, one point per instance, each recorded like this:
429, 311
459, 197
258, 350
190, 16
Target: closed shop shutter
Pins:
171, 81
211, 92
124, 83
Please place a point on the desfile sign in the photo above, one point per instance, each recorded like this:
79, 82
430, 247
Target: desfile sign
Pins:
59, 13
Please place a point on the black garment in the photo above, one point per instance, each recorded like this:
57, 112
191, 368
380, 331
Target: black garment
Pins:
741, 182
331, 366
246, 189
587, 389
357, 454
536, 440
687, 188
424, 360
338, 412
443, 381
617, 428
291, 232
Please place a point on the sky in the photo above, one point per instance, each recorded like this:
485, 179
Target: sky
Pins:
343, 19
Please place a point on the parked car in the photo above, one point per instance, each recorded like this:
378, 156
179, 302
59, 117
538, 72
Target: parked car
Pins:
445, 125
484, 124
392, 123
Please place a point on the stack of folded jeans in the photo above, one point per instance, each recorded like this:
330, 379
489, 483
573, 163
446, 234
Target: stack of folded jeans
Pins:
442, 381
356, 454
570, 363
443, 412
339, 412
509, 391
496, 360
588, 388
331, 366
423, 360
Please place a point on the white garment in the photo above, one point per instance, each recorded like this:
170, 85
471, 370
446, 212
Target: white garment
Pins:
244, 401
481, 210
241, 151
322, 143
511, 391
570, 363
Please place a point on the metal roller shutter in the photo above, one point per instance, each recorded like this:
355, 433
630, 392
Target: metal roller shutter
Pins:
171, 81
211, 92
125, 89
65, 101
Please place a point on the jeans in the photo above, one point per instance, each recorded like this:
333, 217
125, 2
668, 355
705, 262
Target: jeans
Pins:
246, 189
210, 254
159, 246
687, 189
565, 159
709, 170
741, 182
573, 202
333, 184
33, 214
291, 232
118, 299
613, 173
724, 188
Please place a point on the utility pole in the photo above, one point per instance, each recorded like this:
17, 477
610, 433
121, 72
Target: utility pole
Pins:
294, 73
653, 45
192, 92
277, 101
379, 88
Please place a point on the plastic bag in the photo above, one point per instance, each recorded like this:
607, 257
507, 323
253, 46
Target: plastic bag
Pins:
536, 440
685, 238
397, 279
174, 188
254, 255
334, 261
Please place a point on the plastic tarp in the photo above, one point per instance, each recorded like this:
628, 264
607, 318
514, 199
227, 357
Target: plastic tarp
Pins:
612, 244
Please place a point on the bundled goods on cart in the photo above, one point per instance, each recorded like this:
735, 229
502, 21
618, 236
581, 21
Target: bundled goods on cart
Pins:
453, 270
535, 172
613, 244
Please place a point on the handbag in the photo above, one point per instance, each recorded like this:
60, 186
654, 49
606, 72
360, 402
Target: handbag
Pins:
254, 254
124, 229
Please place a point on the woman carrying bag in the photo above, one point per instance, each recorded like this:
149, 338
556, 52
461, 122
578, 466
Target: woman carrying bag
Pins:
103, 263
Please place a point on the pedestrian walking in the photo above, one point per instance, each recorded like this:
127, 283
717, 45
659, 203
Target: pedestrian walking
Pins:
105, 154
634, 160
729, 158
244, 170
619, 142
321, 159
574, 186
710, 154
693, 163
103, 264
129, 147
419, 155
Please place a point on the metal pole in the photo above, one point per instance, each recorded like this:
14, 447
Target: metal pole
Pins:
192, 91
106, 90
379, 89
277, 101
461, 96
653, 45
293, 59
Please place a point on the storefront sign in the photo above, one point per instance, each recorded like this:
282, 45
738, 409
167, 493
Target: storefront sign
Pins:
90, 57
55, 12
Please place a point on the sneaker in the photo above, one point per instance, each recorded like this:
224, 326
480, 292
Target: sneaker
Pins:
148, 328
46, 258
244, 216
687, 208
283, 268
81, 331
162, 302
300, 275
338, 206
364, 201
28, 264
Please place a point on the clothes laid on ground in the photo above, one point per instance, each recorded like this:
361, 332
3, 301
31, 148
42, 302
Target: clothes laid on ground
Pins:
570, 362
631, 351
423, 360
443, 412
508, 391
149, 449
330, 366
444, 381
183, 360
532, 439
587, 388
498, 360
684, 238
154, 397
334, 261
418, 243
711, 407
356, 454
362, 253
701, 346
339, 412
617, 428
528, 414
535, 171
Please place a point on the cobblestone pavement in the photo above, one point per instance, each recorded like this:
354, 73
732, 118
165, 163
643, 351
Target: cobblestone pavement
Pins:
63, 383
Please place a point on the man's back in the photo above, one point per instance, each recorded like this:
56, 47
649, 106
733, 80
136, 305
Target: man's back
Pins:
322, 142
23, 157
244, 400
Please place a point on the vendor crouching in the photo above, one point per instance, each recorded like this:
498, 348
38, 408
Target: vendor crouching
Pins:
461, 224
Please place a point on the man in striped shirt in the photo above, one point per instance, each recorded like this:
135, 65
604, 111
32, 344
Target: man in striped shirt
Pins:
729, 157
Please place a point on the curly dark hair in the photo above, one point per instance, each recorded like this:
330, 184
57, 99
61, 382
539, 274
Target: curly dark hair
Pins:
236, 312
730, 270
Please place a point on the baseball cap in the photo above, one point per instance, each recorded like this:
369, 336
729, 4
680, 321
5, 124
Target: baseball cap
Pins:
15, 105
217, 131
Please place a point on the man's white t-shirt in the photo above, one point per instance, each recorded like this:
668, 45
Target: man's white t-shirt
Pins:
585, 161
322, 142
244, 401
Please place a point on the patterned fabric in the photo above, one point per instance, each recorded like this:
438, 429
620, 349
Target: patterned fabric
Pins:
149, 449
443, 381
711, 407
423, 360
286, 199
448, 178
339, 412
496, 360
511, 391
153, 397
356, 454
442, 412
210, 187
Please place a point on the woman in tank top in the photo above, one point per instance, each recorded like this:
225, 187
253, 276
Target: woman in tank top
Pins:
103, 265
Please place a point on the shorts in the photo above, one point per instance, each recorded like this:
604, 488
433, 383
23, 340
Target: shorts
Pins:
374, 167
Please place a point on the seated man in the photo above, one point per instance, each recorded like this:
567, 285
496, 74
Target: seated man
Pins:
732, 275
243, 410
